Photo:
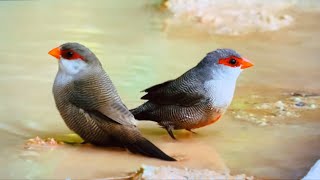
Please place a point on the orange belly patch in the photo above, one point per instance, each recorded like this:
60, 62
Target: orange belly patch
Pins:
205, 123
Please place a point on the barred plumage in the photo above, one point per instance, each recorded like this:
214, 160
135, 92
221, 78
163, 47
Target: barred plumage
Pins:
195, 99
90, 105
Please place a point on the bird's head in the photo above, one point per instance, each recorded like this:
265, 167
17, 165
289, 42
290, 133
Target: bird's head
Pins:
225, 63
74, 57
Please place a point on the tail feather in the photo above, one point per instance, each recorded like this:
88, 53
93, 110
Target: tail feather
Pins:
145, 147
139, 113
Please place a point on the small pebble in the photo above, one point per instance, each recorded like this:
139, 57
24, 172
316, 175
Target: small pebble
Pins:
288, 113
280, 105
313, 106
300, 104
297, 99
263, 124
265, 106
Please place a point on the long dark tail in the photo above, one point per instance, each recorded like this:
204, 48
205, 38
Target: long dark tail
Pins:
145, 147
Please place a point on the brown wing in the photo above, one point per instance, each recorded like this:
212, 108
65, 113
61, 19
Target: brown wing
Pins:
96, 94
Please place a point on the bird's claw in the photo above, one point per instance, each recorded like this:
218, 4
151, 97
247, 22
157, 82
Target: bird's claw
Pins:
169, 130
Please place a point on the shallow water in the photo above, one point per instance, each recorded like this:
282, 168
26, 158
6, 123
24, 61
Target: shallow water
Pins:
128, 38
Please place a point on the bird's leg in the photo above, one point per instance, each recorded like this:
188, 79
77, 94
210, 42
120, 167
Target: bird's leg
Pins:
191, 131
169, 130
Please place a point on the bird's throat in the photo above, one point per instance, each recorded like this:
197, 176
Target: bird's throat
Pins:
72, 67
68, 71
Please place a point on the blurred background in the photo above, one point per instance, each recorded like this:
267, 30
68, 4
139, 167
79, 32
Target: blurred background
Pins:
141, 43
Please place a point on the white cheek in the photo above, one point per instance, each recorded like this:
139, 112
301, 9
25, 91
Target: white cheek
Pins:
72, 67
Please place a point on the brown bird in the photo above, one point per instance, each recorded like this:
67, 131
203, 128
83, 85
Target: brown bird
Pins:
198, 97
90, 105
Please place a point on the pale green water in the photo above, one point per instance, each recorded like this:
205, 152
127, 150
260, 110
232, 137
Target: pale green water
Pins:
128, 39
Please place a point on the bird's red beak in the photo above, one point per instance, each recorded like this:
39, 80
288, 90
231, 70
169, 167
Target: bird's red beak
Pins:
55, 52
246, 63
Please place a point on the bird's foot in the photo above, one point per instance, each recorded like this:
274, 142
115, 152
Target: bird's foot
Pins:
169, 130
191, 131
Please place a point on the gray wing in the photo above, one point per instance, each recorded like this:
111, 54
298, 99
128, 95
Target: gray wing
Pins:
96, 95
187, 90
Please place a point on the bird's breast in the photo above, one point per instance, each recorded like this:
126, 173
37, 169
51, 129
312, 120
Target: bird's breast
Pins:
220, 92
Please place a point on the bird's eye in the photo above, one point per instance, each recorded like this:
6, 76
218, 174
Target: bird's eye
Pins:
233, 61
68, 54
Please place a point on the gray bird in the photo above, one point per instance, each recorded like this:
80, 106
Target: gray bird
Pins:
90, 105
198, 97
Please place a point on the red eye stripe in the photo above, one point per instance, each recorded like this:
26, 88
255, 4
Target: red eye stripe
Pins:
70, 55
231, 61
